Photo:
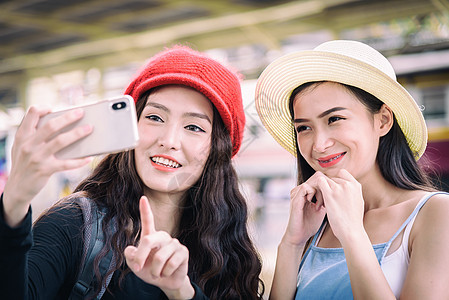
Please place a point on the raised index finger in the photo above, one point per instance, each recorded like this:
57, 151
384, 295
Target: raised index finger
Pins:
146, 217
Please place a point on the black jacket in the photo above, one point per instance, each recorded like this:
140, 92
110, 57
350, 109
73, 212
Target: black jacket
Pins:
41, 262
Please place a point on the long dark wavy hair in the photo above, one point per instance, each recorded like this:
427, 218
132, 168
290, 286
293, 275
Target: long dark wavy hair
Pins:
396, 160
223, 261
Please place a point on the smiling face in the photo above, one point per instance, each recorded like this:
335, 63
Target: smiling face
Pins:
175, 137
336, 131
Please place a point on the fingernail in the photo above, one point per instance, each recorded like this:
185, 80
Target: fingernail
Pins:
78, 112
87, 128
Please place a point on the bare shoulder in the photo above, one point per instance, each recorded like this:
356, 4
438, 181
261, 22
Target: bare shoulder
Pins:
427, 274
436, 202
434, 215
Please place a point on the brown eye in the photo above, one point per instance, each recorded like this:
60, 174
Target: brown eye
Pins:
301, 128
154, 118
194, 128
334, 119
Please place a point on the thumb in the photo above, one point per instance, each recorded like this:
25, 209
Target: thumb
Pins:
146, 216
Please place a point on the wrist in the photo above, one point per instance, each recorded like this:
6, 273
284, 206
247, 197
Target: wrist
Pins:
289, 246
13, 213
354, 237
292, 242
186, 291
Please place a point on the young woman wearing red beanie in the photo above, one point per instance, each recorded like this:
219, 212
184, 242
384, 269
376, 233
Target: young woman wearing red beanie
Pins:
177, 216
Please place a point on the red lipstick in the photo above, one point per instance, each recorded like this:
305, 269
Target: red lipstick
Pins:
331, 160
165, 163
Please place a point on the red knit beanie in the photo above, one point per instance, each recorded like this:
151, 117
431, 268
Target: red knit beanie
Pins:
182, 65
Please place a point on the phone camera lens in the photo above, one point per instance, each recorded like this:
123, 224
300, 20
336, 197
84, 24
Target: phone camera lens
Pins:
118, 105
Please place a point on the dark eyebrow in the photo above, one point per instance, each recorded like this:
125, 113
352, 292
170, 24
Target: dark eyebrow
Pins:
187, 114
197, 115
329, 111
323, 114
157, 105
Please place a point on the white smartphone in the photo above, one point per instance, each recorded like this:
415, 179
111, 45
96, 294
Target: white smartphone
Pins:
114, 124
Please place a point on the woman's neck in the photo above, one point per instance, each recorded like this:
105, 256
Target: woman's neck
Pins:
378, 192
167, 210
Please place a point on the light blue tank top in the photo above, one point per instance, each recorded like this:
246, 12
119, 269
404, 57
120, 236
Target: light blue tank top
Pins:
323, 273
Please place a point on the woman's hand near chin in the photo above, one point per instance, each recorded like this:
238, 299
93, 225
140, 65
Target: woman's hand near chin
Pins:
306, 211
306, 217
342, 196
159, 259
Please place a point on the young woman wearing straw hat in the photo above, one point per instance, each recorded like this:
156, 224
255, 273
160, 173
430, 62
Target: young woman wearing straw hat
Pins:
175, 219
365, 222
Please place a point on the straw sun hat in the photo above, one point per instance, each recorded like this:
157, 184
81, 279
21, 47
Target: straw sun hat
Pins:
348, 62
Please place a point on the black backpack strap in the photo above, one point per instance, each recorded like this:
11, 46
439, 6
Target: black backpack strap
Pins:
93, 243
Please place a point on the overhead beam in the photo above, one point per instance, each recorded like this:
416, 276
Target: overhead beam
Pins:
162, 36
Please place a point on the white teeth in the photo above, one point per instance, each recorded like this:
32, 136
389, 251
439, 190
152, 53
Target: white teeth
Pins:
165, 162
333, 158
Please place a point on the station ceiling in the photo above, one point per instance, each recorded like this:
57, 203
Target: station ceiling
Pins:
42, 33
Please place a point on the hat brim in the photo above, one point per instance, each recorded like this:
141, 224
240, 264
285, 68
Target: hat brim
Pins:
282, 76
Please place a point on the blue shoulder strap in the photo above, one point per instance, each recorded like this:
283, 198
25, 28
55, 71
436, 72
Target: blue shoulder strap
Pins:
93, 243
312, 243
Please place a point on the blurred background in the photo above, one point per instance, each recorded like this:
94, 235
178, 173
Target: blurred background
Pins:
63, 53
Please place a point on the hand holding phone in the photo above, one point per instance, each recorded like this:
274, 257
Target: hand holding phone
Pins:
114, 123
